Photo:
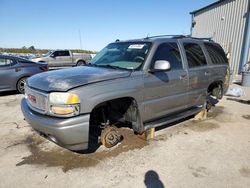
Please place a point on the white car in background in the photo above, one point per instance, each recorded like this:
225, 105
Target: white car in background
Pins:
61, 58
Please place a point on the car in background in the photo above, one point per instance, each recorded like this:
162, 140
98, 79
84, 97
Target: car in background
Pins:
14, 71
64, 58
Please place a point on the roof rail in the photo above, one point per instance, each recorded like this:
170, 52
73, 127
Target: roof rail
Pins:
202, 38
179, 37
159, 36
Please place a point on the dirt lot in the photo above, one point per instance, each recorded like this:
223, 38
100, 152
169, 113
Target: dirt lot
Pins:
210, 153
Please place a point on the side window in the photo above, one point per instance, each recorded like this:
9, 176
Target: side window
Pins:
216, 53
4, 62
171, 53
63, 53
195, 55
55, 53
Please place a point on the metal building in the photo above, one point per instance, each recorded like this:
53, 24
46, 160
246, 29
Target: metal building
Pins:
228, 23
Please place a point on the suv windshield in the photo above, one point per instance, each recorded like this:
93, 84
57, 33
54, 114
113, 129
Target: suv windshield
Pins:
123, 55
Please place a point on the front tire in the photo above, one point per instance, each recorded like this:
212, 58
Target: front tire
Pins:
20, 85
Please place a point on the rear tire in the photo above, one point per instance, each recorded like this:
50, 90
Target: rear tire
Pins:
80, 63
20, 85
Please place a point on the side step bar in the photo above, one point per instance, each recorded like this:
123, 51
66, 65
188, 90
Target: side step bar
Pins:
172, 118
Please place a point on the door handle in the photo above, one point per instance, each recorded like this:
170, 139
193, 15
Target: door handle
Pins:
207, 73
183, 77
18, 69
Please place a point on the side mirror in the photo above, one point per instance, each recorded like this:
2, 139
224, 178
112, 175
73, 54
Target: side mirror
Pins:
52, 55
161, 65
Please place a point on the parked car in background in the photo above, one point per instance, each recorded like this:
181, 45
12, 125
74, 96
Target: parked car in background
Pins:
14, 71
140, 84
61, 58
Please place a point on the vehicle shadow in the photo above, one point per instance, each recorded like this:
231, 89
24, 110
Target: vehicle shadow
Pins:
152, 180
8, 93
239, 100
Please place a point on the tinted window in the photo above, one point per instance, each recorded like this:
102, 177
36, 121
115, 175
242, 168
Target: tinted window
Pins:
5, 62
195, 55
216, 53
63, 53
169, 52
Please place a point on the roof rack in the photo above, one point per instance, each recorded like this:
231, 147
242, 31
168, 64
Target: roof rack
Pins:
159, 36
180, 37
202, 38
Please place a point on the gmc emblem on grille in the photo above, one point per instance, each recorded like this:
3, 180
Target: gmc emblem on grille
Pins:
32, 98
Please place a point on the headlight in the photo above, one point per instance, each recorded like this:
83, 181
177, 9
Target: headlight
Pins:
64, 104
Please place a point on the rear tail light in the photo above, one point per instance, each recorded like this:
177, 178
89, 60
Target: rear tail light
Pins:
44, 68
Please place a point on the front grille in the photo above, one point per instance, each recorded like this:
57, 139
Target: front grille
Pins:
36, 100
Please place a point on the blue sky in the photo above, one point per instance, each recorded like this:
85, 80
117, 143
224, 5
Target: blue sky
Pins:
56, 24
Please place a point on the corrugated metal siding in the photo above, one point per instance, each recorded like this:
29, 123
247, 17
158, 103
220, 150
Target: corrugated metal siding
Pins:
225, 23
248, 55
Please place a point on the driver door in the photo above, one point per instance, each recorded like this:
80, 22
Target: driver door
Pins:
165, 91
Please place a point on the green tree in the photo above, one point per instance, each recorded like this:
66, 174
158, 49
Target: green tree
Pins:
32, 48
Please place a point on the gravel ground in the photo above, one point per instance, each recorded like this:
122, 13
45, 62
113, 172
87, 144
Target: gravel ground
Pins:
210, 153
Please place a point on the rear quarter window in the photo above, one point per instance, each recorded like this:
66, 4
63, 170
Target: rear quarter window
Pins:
195, 55
216, 53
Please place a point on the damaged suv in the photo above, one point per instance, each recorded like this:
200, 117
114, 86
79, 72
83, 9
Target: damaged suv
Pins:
140, 84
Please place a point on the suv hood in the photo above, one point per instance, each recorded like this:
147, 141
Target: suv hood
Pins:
66, 79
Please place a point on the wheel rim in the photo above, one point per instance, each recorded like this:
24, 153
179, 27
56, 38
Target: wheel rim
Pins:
21, 85
80, 63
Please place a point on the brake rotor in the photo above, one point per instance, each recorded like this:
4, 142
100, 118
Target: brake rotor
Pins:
110, 137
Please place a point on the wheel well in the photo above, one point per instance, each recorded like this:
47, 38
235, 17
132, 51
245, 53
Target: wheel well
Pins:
214, 89
213, 85
80, 60
120, 112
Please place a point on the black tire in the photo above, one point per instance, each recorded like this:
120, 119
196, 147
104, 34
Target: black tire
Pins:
80, 63
20, 85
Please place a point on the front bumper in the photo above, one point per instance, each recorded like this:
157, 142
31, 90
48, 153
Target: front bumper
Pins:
71, 133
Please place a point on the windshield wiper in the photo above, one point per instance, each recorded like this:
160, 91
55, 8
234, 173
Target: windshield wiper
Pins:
112, 67
109, 66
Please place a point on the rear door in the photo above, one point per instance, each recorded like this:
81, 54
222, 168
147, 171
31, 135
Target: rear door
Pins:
218, 63
7, 73
165, 91
199, 72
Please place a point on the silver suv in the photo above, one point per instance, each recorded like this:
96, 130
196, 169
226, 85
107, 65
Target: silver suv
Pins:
142, 83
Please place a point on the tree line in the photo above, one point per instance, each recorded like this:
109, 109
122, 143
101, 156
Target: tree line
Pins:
33, 50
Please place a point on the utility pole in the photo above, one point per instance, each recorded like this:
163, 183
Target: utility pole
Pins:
80, 38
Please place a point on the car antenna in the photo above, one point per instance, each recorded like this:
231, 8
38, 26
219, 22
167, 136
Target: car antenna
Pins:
147, 36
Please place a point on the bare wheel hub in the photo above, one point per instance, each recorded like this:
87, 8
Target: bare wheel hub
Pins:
110, 137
